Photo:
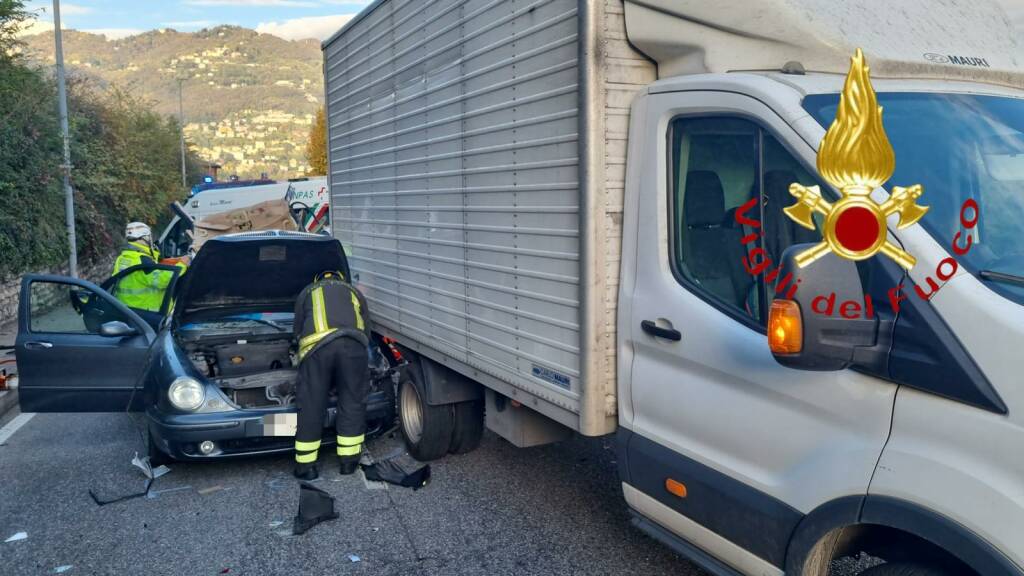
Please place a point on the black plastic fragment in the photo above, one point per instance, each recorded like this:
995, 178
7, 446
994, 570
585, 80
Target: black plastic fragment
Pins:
315, 506
393, 473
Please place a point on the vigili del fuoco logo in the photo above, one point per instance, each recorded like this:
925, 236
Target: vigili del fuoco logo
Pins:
856, 157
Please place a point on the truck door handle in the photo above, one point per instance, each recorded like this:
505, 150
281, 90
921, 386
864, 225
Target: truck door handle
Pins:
38, 345
667, 333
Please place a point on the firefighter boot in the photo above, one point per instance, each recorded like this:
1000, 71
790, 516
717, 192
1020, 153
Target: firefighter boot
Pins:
307, 472
349, 465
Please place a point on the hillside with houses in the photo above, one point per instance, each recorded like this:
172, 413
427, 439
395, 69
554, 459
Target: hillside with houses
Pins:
249, 99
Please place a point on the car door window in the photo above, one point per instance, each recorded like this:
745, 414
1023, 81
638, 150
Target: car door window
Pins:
723, 168
57, 307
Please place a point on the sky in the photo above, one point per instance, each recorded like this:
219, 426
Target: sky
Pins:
290, 19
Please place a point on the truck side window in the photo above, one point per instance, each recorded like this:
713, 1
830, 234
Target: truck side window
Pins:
780, 170
718, 166
714, 172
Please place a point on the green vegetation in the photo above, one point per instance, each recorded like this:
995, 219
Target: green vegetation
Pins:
126, 161
316, 148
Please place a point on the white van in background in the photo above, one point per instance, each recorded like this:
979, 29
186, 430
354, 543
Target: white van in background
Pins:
308, 199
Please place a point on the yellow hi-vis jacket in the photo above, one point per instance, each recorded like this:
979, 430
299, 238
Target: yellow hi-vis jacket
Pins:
141, 290
326, 310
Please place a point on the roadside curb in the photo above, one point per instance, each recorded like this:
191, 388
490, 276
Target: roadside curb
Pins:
8, 400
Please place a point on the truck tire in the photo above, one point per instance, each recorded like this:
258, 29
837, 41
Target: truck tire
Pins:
904, 569
427, 429
469, 426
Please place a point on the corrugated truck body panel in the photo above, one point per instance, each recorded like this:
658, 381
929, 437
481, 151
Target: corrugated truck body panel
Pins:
477, 160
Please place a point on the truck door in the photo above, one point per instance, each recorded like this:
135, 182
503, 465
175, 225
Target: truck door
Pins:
78, 348
756, 445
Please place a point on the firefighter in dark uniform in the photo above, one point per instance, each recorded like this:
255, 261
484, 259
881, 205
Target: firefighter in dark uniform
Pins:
333, 333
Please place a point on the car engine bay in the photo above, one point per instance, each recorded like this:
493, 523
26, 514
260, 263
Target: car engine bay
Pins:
254, 372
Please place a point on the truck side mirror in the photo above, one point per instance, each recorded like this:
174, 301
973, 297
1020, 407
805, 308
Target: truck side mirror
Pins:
822, 324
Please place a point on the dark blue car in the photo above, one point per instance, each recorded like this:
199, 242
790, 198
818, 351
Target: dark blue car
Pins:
214, 371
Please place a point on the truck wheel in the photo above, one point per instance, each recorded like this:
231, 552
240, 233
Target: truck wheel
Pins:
157, 457
427, 429
469, 426
904, 569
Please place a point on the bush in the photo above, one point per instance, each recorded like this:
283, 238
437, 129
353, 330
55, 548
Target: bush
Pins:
126, 163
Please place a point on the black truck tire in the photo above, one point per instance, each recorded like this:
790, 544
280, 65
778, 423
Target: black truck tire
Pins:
427, 429
904, 569
469, 426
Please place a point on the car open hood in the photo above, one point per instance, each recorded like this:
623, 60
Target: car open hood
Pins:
254, 269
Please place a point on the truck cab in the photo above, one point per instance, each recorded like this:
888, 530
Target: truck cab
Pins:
890, 431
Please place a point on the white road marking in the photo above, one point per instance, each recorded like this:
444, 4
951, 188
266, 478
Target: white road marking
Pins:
20, 420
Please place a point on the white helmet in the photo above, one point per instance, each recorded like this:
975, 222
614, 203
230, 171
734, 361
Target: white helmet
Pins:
137, 231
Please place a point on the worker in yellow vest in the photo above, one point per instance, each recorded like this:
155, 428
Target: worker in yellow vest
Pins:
333, 334
141, 290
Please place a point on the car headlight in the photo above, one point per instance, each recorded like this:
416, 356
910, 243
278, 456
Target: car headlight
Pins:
186, 393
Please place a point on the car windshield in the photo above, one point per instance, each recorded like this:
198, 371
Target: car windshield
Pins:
959, 147
252, 323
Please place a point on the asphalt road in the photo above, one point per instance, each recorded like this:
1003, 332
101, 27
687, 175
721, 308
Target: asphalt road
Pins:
499, 510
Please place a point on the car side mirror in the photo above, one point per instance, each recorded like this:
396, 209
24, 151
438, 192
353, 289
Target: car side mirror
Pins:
825, 322
117, 329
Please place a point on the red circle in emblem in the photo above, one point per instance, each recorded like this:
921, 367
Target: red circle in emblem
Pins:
857, 229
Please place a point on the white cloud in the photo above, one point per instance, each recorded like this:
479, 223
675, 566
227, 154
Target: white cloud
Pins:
66, 8
38, 27
319, 27
113, 33
190, 24
287, 3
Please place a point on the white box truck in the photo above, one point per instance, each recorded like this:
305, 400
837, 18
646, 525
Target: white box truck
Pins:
568, 215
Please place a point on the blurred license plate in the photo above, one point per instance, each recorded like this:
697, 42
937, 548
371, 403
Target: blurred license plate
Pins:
279, 424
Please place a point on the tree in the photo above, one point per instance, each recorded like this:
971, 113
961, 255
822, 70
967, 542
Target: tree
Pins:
316, 148
13, 17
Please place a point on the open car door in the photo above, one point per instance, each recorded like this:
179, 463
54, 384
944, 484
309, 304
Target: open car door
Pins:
78, 348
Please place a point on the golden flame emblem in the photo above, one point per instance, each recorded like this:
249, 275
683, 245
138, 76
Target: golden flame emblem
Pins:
856, 157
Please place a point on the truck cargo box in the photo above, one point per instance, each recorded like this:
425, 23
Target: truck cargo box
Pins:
477, 165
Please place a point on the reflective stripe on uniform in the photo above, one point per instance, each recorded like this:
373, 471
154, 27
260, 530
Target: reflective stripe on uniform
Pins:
358, 311
349, 450
307, 446
135, 291
305, 458
350, 445
319, 310
351, 440
308, 342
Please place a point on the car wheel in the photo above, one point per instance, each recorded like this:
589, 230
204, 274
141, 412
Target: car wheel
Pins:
904, 569
157, 456
469, 426
427, 429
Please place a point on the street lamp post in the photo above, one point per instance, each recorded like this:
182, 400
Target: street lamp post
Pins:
62, 102
181, 121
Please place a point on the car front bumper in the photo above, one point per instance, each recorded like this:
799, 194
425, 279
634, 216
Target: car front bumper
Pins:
240, 432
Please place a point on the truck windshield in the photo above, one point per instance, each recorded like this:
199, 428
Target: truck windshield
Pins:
960, 147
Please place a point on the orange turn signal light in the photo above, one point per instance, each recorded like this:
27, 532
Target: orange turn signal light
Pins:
675, 487
785, 328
